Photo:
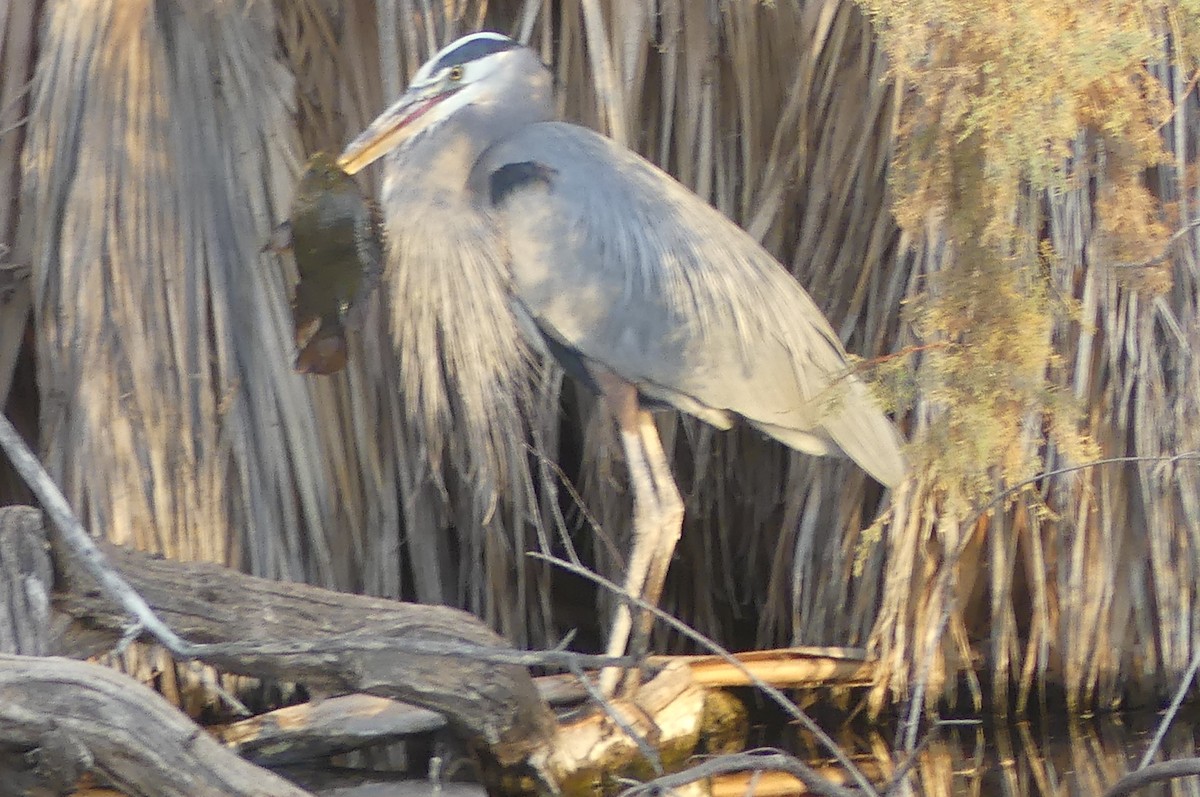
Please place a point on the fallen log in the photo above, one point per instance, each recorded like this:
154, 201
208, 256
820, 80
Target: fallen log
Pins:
333, 643
335, 725
798, 667
346, 643
309, 731
330, 641
61, 718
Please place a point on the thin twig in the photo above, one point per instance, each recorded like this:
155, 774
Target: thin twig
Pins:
1172, 710
93, 560
864, 364
787, 705
76, 536
1165, 249
750, 761
560, 521
1163, 770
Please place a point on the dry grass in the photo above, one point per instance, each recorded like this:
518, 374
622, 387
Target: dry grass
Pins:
1055, 353
161, 149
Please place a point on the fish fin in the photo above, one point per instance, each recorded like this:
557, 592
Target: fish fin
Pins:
324, 354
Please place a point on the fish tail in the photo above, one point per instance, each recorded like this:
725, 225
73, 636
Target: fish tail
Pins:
325, 353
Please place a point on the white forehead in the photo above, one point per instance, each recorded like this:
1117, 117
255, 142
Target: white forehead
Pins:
461, 51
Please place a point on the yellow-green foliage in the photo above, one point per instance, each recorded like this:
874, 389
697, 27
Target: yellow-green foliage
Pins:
998, 96
1016, 82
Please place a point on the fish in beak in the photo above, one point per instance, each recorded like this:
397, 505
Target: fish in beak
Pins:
335, 236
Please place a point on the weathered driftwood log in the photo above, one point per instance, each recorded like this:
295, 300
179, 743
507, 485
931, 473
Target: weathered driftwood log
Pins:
68, 717
339, 724
667, 712
296, 632
331, 642
803, 667
309, 731
328, 640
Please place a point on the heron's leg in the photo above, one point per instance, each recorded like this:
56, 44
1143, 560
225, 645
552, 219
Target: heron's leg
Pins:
669, 511
657, 529
621, 399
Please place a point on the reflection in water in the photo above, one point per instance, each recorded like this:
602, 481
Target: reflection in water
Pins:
1028, 760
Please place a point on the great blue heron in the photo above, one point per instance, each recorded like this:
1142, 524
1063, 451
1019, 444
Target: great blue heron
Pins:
635, 285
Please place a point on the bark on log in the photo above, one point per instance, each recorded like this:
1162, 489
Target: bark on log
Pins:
666, 712
26, 579
296, 632
67, 717
332, 642
309, 731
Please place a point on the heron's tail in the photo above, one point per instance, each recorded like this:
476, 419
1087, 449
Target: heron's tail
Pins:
865, 434
852, 424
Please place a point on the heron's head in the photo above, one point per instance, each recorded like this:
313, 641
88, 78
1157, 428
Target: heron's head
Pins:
483, 69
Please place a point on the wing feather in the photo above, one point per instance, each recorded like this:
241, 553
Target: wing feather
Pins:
615, 259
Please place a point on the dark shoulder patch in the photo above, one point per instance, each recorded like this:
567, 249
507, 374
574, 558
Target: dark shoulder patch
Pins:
511, 176
473, 49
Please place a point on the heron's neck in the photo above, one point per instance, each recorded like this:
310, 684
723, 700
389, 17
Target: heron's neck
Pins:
441, 160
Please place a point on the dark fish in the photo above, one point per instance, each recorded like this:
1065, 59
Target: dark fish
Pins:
335, 235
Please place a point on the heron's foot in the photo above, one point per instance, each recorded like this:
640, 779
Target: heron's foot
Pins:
618, 642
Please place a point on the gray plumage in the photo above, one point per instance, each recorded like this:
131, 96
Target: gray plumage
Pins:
602, 260
620, 262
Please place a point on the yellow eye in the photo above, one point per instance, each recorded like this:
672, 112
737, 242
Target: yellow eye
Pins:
455, 74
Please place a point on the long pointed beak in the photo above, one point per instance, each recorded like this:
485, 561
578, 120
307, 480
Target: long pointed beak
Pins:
391, 129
